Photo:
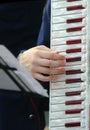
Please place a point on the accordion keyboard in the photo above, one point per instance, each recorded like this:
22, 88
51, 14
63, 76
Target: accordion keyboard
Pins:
69, 92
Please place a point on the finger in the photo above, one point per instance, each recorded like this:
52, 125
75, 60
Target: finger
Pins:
57, 71
48, 71
44, 48
57, 63
42, 70
43, 78
52, 55
50, 63
43, 62
46, 128
45, 54
59, 56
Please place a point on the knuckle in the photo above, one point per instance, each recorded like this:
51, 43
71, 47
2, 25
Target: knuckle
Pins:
40, 46
36, 52
51, 55
49, 62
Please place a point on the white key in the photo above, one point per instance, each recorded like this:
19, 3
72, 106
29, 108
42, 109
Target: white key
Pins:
64, 18
64, 128
72, 46
64, 77
62, 114
63, 85
63, 4
63, 11
61, 41
61, 92
64, 26
63, 99
63, 107
62, 122
64, 33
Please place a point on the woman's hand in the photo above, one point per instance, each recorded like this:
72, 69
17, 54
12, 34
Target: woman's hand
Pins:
46, 128
43, 62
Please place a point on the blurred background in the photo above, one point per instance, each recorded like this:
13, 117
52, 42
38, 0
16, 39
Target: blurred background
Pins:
24, 16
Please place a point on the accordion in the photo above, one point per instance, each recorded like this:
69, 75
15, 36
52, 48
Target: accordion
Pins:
69, 92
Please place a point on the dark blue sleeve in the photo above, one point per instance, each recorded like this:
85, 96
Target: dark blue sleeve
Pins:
44, 38
44, 34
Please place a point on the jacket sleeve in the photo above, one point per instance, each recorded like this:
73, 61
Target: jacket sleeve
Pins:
44, 34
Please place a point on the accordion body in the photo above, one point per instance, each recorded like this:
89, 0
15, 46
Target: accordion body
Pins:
70, 92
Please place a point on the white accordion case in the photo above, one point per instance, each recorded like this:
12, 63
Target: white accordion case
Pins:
69, 92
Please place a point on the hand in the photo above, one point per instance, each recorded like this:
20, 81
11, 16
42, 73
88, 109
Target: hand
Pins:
46, 128
43, 62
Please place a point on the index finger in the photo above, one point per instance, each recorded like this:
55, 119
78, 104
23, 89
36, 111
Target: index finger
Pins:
58, 56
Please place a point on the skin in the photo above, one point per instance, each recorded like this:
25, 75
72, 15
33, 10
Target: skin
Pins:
43, 63
46, 128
